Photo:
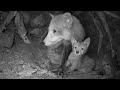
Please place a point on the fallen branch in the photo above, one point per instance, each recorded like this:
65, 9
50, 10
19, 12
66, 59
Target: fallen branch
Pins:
7, 21
102, 17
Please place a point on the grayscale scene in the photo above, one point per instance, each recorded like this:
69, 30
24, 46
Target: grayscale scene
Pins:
59, 44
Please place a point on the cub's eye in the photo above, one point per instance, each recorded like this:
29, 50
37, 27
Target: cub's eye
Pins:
75, 47
82, 48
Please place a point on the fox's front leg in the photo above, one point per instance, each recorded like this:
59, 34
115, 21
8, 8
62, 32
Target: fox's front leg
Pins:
67, 48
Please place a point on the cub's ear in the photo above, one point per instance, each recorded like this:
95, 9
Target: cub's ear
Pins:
87, 42
73, 41
67, 19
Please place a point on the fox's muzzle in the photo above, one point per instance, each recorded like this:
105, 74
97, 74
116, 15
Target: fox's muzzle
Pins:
51, 39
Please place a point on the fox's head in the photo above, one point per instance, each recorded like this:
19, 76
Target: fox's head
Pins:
58, 29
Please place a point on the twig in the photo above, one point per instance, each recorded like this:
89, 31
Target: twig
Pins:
7, 21
21, 29
111, 14
101, 36
101, 15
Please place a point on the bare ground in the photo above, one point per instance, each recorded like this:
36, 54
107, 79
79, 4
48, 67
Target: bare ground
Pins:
24, 61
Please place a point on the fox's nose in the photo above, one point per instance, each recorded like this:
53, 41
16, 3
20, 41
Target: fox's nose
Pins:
47, 42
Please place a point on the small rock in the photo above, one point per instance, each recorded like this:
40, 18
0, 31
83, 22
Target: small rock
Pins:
6, 39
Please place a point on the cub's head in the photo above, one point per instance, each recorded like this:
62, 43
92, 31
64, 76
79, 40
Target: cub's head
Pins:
80, 48
58, 29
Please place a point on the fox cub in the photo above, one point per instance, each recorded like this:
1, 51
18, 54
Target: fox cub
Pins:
76, 57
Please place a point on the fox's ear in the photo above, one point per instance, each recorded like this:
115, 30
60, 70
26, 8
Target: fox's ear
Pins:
67, 17
87, 42
52, 16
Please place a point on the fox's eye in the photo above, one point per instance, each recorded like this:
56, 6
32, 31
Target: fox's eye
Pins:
54, 31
